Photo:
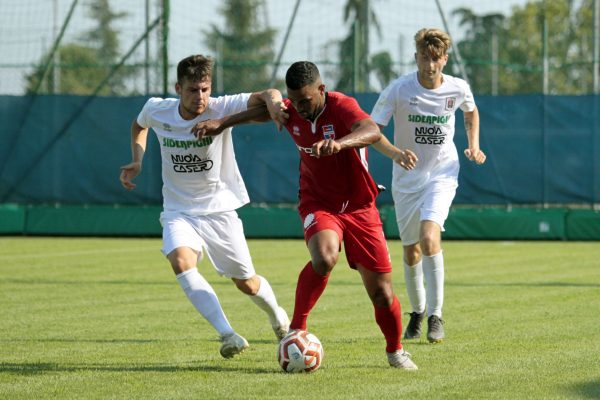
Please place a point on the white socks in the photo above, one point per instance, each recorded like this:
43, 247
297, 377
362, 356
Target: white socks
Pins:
413, 278
266, 301
433, 269
204, 298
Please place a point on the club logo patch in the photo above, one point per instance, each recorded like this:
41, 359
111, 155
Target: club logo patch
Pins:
328, 132
296, 131
450, 103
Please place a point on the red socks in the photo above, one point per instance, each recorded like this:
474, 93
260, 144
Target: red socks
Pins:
308, 290
389, 320
311, 286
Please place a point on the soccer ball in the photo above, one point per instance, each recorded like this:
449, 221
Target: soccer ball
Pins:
300, 351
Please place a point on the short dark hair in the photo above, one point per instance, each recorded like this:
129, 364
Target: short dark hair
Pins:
300, 74
194, 68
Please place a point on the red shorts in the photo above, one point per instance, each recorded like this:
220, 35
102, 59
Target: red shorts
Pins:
360, 231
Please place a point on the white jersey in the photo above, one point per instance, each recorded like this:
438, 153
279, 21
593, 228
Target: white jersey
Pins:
424, 123
200, 177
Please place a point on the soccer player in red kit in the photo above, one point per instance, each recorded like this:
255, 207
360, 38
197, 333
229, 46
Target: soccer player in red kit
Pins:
337, 198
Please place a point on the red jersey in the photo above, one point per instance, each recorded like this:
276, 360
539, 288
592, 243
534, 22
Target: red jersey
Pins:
340, 182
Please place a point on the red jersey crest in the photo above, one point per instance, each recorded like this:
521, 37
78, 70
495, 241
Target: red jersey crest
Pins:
328, 132
338, 183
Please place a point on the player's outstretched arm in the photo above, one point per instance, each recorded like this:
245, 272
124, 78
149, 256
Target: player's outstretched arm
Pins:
273, 99
213, 127
473, 153
139, 137
262, 107
405, 158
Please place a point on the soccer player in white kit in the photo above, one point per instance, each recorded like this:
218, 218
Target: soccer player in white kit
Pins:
425, 172
202, 188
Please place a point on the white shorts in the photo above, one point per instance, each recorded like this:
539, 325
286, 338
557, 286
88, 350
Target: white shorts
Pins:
221, 235
430, 204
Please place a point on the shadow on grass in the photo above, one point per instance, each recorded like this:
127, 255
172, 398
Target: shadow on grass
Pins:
75, 340
588, 390
252, 340
223, 282
41, 368
419, 342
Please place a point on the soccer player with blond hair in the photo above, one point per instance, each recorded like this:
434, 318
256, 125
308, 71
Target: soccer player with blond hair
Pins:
425, 173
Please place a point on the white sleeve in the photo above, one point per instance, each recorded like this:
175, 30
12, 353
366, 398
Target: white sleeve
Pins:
468, 103
231, 104
385, 106
144, 118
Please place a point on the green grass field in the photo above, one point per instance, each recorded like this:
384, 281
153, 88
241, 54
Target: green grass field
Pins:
85, 318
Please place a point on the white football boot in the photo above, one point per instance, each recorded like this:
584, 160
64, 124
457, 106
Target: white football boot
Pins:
401, 359
281, 325
232, 344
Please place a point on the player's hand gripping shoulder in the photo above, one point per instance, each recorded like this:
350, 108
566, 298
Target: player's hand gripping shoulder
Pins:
273, 101
278, 113
476, 155
128, 173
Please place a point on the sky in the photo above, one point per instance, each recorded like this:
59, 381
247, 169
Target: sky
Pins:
28, 28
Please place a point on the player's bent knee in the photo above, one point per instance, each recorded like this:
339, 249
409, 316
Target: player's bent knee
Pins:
430, 244
382, 297
412, 255
324, 265
181, 264
247, 286
182, 259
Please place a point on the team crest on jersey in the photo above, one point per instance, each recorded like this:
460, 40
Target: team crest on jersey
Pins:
328, 132
450, 103
413, 101
296, 131
167, 127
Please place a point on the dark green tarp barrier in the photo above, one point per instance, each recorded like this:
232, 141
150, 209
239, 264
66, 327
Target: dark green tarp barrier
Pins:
541, 150
282, 221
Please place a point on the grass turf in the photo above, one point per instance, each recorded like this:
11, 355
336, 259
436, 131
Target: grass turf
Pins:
94, 318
